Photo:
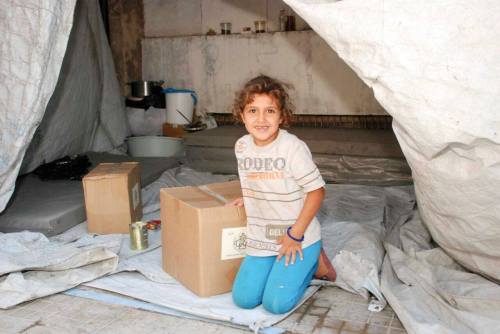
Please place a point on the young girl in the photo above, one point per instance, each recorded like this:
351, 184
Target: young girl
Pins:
282, 192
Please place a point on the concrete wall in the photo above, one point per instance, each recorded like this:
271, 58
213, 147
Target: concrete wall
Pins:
196, 17
216, 66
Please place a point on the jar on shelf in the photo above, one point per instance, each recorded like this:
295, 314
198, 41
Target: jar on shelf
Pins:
225, 28
260, 26
290, 23
283, 20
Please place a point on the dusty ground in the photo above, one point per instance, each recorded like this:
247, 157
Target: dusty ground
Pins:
330, 310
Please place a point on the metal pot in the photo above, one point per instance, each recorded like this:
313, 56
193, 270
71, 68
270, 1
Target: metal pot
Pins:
141, 88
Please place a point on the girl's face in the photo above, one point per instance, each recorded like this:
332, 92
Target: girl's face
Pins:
262, 119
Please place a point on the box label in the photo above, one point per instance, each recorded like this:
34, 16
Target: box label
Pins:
135, 195
233, 243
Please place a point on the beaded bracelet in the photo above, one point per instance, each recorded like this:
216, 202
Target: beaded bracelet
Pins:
292, 237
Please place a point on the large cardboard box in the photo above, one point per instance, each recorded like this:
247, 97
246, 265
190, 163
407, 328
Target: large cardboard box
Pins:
112, 197
203, 239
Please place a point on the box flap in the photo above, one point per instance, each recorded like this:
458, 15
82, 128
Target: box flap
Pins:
110, 170
208, 196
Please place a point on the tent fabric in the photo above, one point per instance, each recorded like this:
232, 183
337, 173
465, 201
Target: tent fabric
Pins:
429, 291
85, 112
34, 40
438, 75
87, 108
31, 266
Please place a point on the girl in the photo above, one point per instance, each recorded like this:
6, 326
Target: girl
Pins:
282, 191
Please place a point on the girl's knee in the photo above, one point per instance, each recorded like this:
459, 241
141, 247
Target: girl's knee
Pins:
278, 304
245, 300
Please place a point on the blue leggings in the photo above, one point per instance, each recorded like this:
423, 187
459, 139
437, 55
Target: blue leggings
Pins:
262, 280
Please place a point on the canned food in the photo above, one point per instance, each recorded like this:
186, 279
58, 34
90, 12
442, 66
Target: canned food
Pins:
138, 235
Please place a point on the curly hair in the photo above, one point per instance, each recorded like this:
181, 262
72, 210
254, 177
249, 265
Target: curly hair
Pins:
264, 85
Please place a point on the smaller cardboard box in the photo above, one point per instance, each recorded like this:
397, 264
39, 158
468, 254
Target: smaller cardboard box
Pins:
112, 197
203, 238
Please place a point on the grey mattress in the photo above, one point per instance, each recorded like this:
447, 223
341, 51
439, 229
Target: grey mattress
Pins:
52, 207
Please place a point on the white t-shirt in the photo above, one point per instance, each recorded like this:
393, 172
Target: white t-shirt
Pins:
274, 180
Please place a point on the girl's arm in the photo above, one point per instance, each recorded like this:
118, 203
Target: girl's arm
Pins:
289, 247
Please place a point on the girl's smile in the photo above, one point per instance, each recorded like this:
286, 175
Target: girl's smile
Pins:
262, 118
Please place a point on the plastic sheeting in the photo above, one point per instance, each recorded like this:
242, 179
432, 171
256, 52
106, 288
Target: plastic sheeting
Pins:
87, 108
31, 266
434, 66
34, 39
352, 224
85, 111
353, 220
429, 291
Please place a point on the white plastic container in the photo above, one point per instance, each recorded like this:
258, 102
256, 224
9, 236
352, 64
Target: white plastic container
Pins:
180, 106
155, 146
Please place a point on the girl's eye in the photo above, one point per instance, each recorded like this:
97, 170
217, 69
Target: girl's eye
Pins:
252, 110
271, 111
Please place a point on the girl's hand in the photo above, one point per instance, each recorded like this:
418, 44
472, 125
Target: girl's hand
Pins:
237, 202
289, 249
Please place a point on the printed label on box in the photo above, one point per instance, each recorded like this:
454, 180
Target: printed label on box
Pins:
135, 195
233, 243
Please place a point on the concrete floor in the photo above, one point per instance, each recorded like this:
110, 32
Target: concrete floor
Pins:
330, 310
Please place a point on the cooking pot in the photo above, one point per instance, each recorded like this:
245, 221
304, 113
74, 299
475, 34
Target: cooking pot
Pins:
142, 88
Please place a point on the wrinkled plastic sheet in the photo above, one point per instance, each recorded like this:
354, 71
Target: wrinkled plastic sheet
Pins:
443, 95
352, 220
30, 64
31, 266
63, 96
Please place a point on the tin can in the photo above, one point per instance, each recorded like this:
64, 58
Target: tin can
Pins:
138, 235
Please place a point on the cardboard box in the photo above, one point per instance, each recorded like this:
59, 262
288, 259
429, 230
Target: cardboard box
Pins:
203, 239
173, 130
112, 197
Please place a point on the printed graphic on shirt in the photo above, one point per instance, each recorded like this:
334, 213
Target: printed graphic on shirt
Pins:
262, 168
261, 164
274, 232
240, 146
264, 176
262, 245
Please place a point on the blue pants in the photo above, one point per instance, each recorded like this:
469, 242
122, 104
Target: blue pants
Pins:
262, 280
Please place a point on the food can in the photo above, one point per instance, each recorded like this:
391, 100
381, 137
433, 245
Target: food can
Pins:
138, 235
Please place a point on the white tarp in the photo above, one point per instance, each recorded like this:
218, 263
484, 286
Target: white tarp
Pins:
34, 38
429, 291
85, 111
32, 266
435, 67
87, 108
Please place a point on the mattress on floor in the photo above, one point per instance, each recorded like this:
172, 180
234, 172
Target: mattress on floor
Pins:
52, 207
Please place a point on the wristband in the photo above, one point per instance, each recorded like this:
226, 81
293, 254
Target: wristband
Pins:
292, 237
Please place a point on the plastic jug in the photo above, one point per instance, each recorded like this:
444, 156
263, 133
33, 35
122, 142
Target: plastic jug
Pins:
180, 105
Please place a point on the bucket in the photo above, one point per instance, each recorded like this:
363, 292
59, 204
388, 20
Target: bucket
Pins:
180, 105
155, 146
